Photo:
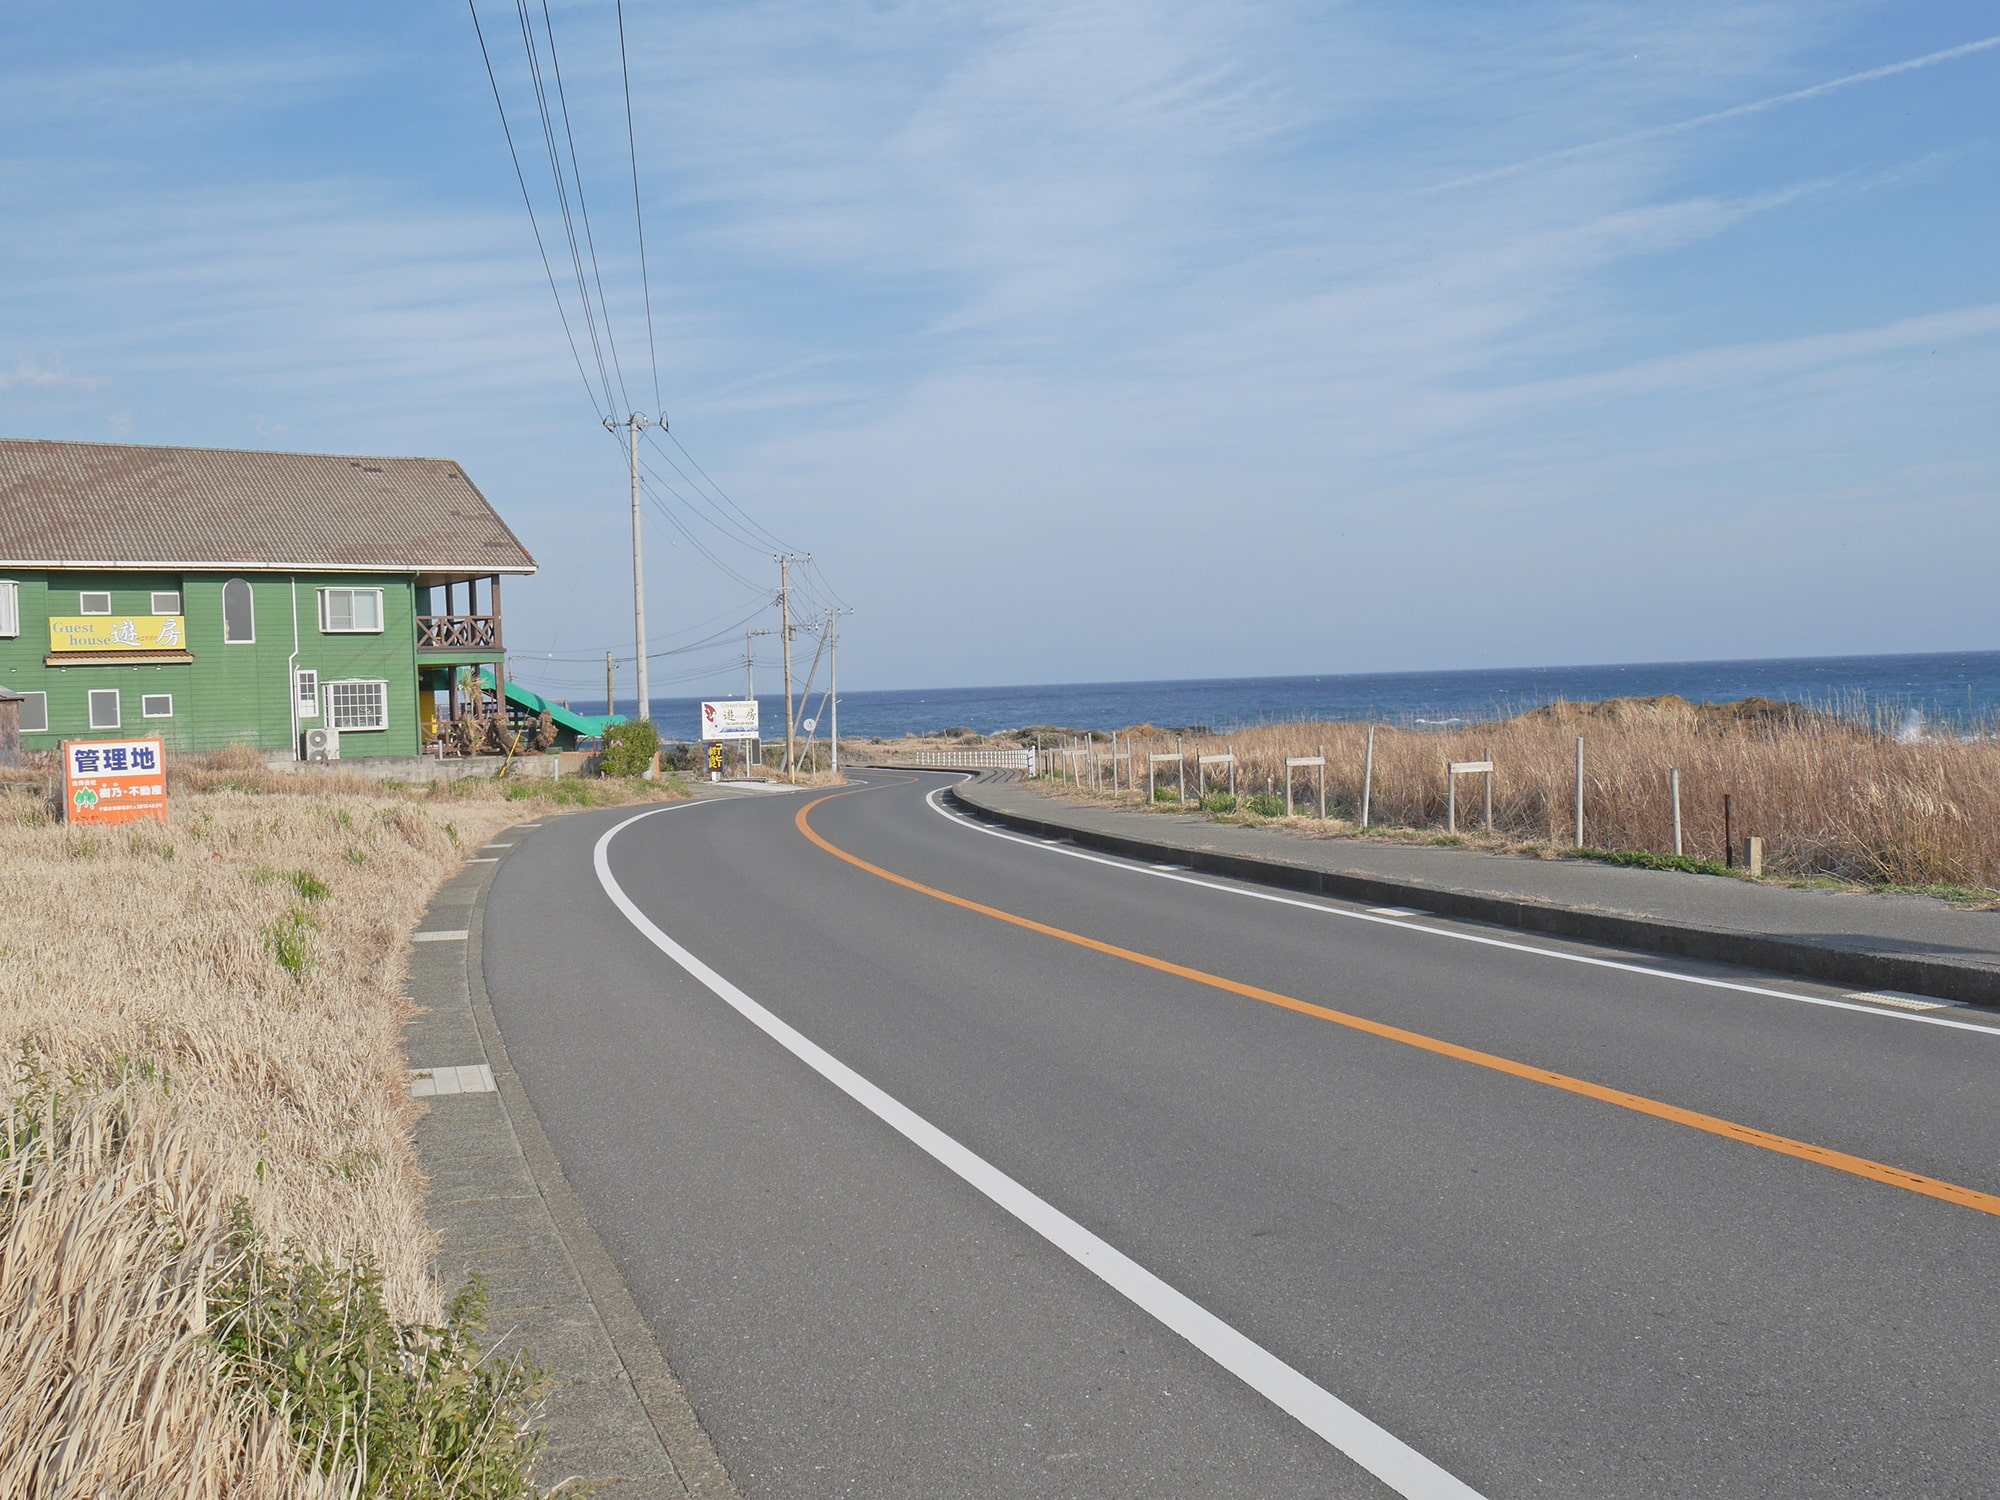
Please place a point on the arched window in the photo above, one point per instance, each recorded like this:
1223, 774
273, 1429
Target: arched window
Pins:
239, 613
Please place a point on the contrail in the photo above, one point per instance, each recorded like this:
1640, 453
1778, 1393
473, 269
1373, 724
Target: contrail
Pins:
1735, 111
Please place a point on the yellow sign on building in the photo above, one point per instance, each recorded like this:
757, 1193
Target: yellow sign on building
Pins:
117, 633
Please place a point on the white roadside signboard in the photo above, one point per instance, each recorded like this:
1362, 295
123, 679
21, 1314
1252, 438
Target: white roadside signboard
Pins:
732, 719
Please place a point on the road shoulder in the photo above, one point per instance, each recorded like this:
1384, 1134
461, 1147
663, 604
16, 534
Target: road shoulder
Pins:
616, 1417
1831, 937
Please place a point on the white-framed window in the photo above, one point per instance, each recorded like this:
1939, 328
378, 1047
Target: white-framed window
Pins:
350, 611
34, 713
104, 708
93, 604
305, 689
166, 601
10, 607
156, 705
239, 613
357, 704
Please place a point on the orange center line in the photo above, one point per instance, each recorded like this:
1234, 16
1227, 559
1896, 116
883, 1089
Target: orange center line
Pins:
1840, 1161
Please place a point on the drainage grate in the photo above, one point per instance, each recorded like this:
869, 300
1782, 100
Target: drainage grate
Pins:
467, 1078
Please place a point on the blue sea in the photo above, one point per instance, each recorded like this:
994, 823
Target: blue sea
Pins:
1944, 691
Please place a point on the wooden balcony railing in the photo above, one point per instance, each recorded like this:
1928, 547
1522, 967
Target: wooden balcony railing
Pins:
458, 632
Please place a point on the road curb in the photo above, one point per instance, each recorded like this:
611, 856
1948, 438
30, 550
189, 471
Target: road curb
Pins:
1833, 965
684, 1448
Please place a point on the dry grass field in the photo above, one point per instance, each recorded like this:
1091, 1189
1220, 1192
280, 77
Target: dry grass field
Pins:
203, 1020
1830, 797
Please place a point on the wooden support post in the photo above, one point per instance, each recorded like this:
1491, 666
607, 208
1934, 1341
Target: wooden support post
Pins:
1674, 780
1450, 799
1487, 756
1322, 783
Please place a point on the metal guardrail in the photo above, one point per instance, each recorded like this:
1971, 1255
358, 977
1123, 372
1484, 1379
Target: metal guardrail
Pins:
966, 760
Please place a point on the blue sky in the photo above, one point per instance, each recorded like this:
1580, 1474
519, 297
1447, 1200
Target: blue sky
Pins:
1080, 341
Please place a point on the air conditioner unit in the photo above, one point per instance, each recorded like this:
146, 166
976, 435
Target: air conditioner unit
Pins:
322, 743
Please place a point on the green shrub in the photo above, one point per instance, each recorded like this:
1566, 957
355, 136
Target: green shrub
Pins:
1268, 806
411, 1412
629, 748
1165, 794
289, 944
309, 886
1222, 802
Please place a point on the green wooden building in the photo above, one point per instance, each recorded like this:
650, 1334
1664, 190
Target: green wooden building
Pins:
218, 597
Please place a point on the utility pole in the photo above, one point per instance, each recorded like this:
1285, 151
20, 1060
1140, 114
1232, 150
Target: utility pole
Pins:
833, 678
785, 635
750, 664
750, 691
633, 425
608, 686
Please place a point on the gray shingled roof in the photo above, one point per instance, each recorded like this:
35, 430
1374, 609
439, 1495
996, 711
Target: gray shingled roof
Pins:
116, 505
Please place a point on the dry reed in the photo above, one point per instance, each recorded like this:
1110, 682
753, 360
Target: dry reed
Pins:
219, 1001
1830, 797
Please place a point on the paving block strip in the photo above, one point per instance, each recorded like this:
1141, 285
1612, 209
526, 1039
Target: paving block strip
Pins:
1882, 943
617, 1419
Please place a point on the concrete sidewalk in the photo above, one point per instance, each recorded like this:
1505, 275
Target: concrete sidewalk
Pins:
616, 1417
1911, 943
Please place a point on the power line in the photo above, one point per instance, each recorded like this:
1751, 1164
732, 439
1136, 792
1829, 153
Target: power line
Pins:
526, 198
583, 206
719, 633
720, 520
632, 148
770, 538
691, 539
562, 192
716, 507
695, 542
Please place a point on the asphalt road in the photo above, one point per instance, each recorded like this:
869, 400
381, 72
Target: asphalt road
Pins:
1549, 1284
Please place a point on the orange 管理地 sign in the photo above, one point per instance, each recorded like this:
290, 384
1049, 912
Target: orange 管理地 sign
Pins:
114, 781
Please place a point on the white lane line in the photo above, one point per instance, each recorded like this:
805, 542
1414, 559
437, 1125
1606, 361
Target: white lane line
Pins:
1405, 925
484, 859
1395, 911
1374, 1448
441, 935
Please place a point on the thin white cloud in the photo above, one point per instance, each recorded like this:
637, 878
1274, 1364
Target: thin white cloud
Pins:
1711, 370
113, 95
1717, 117
30, 375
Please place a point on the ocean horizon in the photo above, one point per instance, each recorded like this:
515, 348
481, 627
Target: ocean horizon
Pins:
1945, 690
